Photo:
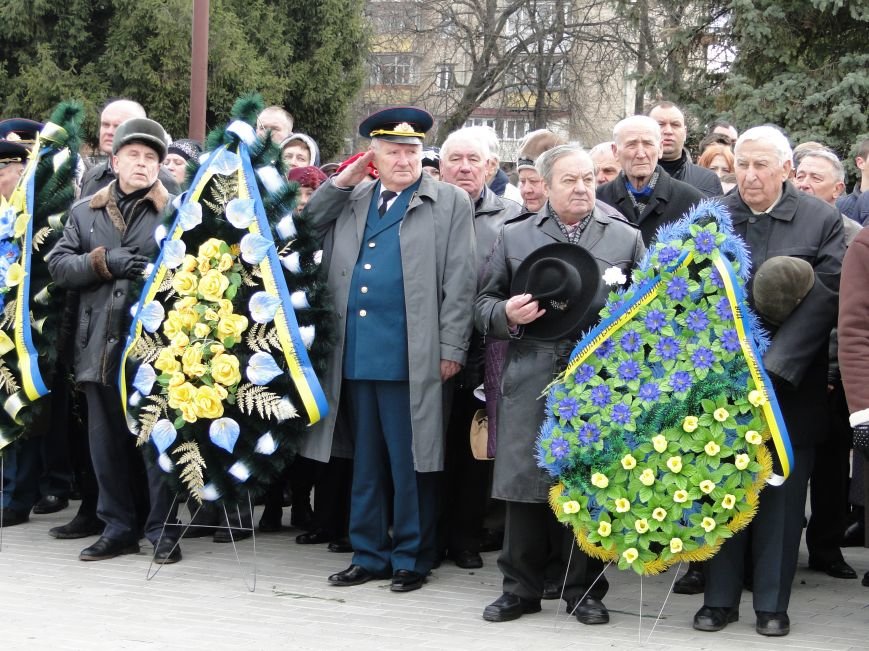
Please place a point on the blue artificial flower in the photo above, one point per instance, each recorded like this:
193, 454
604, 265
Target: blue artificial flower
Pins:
174, 252
655, 320
668, 255
723, 309
9, 251
615, 305
668, 348
7, 222
589, 433
559, 448
151, 316
240, 213
629, 370
702, 358
680, 381
621, 414
678, 289
263, 307
631, 342
715, 279
696, 320
190, 215
568, 408
254, 248
584, 373
224, 433
262, 369
163, 434
606, 349
144, 380
730, 341
601, 395
704, 242
649, 392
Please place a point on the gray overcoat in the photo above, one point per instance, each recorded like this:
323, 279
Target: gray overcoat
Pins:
532, 364
438, 263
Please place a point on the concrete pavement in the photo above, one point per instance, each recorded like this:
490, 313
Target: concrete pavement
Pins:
51, 600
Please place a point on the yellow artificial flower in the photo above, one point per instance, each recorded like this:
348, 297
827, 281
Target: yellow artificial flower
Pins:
600, 480
221, 391
741, 461
189, 318
630, 554
721, 414
212, 285
224, 307
232, 325
675, 545
623, 505
181, 395
225, 263
225, 369
192, 361
184, 282
753, 437
641, 525
690, 423
207, 403
647, 477
209, 248
707, 486
604, 529
179, 343
675, 464
659, 514
571, 506
14, 274
712, 448
756, 398
204, 264
189, 263
172, 325
166, 361
188, 412
708, 524
235, 249
201, 330
729, 501
21, 225
216, 349
177, 380
186, 302
211, 315
660, 443
680, 496
628, 462
6, 344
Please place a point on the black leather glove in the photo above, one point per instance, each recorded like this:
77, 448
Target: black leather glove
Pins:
125, 262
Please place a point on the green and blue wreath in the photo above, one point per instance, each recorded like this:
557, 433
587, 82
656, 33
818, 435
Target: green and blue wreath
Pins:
31, 307
658, 430
220, 371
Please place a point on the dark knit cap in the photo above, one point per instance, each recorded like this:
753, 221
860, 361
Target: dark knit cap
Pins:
307, 177
186, 149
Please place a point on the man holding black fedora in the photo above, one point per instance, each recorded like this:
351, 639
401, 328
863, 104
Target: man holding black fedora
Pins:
547, 283
401, 267
107, 243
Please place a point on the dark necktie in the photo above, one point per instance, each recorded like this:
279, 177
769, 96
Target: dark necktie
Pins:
385, 197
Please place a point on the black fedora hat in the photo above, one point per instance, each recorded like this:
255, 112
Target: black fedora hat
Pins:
564, 279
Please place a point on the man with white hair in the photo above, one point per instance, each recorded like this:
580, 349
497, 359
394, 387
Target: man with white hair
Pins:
496, 178
465, 158
643, 191
776, 219
606, 165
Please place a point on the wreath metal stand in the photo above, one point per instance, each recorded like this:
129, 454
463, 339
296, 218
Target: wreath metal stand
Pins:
250, 584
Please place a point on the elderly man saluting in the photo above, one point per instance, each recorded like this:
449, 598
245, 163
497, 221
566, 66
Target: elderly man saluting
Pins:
400, 257
107, 243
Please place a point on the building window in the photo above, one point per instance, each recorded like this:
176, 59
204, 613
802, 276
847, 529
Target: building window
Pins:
505, 128
394, 70
446, 76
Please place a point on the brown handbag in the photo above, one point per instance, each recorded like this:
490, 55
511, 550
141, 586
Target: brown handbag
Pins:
480, 435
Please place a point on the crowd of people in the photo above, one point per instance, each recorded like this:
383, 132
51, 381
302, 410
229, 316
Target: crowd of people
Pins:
422, 249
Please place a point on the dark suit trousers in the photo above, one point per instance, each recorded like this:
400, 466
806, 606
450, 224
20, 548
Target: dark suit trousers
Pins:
383, 472
531, 533
775, 544
115, 459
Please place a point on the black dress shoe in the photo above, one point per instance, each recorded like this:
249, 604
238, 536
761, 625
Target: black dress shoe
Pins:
79, 527
167, 551
838, 569
270, 522
466, 559
854, 534
714, 619
865, 580
773, 624
692, 582
406, 581
551, 590
355, 575
301, 516
590, 611
106, 548
50, 504
316, 537
508, 607
340, 546
11, 517
227, 535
